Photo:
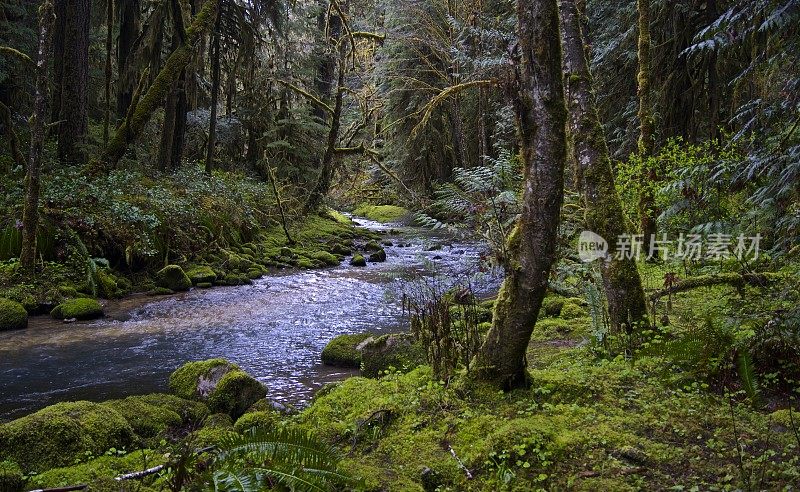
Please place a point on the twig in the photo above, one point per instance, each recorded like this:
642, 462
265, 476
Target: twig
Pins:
460, 463
139, 474
63, 489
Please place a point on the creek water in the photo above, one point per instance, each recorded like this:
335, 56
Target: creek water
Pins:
274, 329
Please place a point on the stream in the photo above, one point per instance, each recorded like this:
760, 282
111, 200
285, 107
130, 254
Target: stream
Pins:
274, 329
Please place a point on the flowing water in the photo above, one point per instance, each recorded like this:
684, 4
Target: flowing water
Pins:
274, 329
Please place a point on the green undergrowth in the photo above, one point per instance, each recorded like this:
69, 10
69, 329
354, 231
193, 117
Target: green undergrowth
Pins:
586, 423
382, 213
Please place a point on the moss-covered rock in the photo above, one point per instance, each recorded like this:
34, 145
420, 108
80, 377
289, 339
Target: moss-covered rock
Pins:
262, 419
222, 385
11, 477
218, 421
107, 285
152, 415
358, 261
305, 263
551, 305
326, 258
12, 315
160, 291
372, 246
378, 256
382, 213
342, 351
572, 311
396, 351
99, 473
204, 285
173, 277
201, 274
59, 434
81, 308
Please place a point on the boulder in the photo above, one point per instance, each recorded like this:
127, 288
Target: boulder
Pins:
173, 277
152, 415
81, 309
378, 256
12, 315
342, 351
201, 274
223, 386
60, 434
398, 351
358, 261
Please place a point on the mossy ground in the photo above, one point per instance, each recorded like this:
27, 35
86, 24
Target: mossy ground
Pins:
382, 213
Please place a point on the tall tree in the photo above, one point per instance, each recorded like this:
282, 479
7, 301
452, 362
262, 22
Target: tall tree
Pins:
129, 13
175, 106
30, 214
215, 85
72, 77
647, 212
541, 118
623, 286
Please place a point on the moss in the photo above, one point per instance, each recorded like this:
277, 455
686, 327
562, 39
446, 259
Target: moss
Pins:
11, 477
218, 421
12, 315
372, 246
551, 305
225, 387
339, 217
107, 285
80, 309
341, 351
264, 419
201, 274
235, 392
399, 352
326, 258
255, 273
152, 415
160, 291
378, 256
59, 434
572, 311
382, 213
173, 277
358, 261
98, 473
305, 263
204, 285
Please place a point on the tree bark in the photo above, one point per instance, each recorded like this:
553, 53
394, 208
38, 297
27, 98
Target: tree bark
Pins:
627, 306
74, 89
541, 117
109, 47
215, 83
171, 148
132, 125
128, 31
647, 212
30, 214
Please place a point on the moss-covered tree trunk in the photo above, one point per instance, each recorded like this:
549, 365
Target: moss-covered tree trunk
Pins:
215, 85
130, 127
541, 117
73, 116
128, 31
623, 286
647, 211
30, 214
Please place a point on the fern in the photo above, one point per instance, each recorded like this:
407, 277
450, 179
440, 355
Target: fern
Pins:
262, 458
747, 373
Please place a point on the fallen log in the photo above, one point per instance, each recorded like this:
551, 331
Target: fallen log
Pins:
736, 280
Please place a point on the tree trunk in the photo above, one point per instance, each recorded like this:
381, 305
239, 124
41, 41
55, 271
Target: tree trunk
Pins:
623, 286
109, 47
326, 72
60, 7
128, 31
74, 89
130, 127
30, 215
171, 148
541, 117
647, 212
215, 83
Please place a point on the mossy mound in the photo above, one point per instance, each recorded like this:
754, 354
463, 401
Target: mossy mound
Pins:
11, 477
160, 291
389, 353
107, 287
173, 277
201, 274
342, 351
382, 213
551, 305
571, 310
358, 261
378, 256
99, 473
152, 415
261, 419
13, 315
222, 385
59, 434
326, 258
81, 308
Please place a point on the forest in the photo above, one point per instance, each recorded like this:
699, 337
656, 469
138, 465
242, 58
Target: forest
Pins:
399, 245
